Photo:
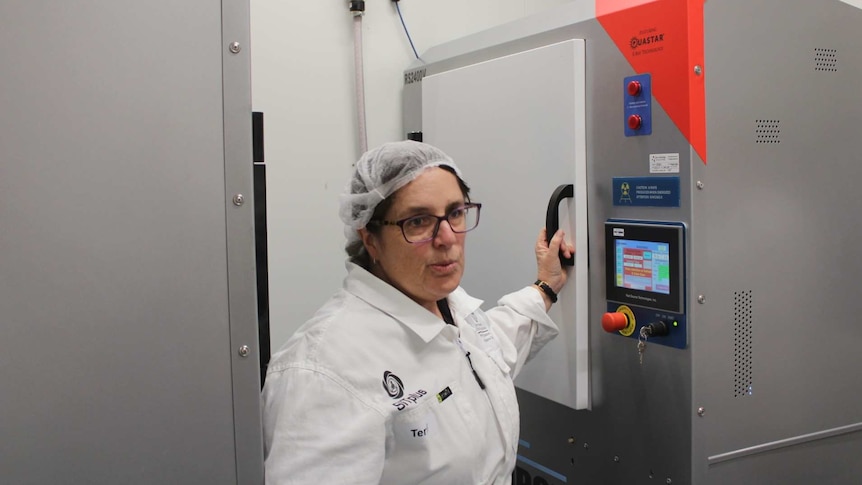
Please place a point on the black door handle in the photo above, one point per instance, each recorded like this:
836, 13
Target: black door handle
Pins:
552, 220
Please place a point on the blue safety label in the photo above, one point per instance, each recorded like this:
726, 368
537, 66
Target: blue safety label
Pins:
646, 191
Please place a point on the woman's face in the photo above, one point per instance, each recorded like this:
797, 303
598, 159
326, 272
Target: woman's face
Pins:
427, 271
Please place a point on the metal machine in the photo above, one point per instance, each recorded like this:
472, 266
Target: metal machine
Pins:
703, 156
127, 244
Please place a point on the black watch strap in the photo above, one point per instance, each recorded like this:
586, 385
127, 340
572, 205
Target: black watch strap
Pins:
547, 289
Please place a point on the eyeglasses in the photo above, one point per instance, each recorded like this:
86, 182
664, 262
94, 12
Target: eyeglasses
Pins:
424, 227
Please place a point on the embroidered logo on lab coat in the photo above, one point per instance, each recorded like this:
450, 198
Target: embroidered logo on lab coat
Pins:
395, 388
411, 398
393, 385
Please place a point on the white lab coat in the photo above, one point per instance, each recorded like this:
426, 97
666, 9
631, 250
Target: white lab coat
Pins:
376, 389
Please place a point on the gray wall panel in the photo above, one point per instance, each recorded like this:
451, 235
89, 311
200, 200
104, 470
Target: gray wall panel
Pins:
114, 295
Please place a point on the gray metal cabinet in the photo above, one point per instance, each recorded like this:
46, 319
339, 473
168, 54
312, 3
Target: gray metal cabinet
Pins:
756, 380
127, 280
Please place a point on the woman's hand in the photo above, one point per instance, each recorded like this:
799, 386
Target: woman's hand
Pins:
548, 260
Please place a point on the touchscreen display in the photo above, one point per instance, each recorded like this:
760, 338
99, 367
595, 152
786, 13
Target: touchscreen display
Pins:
643, 265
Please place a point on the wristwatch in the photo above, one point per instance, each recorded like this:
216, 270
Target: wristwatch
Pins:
546, 288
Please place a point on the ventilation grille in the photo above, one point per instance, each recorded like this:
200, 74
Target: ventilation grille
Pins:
767, 131
742, 385
826, 60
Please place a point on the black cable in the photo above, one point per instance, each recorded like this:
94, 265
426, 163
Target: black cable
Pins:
405, 28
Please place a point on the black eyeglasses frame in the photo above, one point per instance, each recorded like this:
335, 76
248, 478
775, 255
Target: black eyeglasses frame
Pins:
440, 219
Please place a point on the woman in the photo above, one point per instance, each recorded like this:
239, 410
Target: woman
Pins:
400, 378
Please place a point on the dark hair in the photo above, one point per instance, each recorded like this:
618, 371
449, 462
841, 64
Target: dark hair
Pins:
356, 250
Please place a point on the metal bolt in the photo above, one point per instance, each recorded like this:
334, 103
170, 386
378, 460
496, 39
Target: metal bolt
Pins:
668, 480
616, 459
235, 47
698, 70
701, 411
586, 446
238, 199
699, 185
571, 440
244, 351
701, 299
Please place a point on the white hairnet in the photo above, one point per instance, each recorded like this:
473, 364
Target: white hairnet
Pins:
379, 173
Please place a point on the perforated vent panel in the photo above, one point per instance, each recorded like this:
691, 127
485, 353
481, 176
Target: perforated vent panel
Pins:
767, 131
825, 60
742, 345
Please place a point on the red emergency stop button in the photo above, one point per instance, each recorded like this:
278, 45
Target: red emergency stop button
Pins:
635, 122
634, 88
614, 321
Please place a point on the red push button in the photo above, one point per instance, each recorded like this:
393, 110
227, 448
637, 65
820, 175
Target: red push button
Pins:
614, 321
635, 88
635, 122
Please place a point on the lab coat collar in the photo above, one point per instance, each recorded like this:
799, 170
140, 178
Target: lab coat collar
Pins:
399, 306
462, 304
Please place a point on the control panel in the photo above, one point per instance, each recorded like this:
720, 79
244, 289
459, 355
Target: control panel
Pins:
645, 281
637, 105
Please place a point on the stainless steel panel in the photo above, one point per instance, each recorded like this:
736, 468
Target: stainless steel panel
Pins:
770, 245
115, 290
639, 424
240, 232
776, 217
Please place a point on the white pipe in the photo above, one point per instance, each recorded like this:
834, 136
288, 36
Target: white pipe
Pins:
360, 80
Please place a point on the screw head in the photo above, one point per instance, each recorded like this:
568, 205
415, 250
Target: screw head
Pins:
698, 70
238, 200
244, 351
235, 47
571, 440
616, 459
699, 185
701, 299
668, 480
701, 411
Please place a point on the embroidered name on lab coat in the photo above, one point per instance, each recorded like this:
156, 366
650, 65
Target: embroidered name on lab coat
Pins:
417, 429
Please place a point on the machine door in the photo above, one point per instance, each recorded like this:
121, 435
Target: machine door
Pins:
515, 127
